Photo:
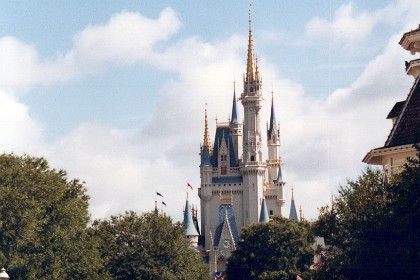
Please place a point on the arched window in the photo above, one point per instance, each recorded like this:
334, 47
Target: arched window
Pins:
252, 158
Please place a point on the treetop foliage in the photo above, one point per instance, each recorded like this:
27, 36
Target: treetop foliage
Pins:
43, 218
149, 246
279, 249
374, 227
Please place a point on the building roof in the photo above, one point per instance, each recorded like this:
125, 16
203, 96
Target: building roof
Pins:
234, 118
188, 224
226, 210
264, 213
293, 214
205, 157
280, 176
406, 129
273, 123
231, 179
223, 134
396, 110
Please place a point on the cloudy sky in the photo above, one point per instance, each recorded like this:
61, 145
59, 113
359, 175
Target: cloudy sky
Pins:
114, 91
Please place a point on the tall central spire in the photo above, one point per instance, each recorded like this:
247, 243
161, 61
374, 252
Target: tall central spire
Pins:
250, 73
206, 132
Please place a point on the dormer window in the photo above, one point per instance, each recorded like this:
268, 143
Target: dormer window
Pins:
223, 157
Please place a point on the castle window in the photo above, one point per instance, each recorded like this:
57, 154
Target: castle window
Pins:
223, 157
271, 212
223, 170
252, 158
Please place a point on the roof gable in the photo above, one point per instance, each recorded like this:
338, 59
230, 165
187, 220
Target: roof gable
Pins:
406, 129
226, 213
223, 134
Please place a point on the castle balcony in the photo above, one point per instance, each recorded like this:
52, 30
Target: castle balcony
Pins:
413, 68
411, 41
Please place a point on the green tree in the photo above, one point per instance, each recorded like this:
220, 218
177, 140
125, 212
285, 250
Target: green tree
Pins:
149, 246
279, 249
374, 228
43, 219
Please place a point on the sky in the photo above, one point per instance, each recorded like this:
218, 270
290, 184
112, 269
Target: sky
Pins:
114, 92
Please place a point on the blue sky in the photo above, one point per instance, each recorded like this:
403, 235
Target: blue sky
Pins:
114, 91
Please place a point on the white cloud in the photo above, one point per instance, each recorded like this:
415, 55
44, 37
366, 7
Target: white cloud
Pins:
19, 133
346, 26
126, 39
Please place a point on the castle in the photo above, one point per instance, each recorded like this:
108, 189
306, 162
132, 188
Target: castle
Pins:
239, 186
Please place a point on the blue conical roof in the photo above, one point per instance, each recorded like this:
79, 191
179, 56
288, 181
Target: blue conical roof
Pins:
280, 176
293, 214
264, 213
205, 156
234, 119
273, 123
188, 224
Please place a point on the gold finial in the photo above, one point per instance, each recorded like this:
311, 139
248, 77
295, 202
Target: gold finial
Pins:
300, 213
206, 131
257, 72
292, 193
250, 60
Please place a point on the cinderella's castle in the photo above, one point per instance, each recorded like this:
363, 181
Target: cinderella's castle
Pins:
239, 186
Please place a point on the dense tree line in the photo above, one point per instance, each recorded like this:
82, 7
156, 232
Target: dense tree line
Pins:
373, 228
45, 232
373, 232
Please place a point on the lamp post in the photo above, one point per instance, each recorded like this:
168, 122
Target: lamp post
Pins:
3, 274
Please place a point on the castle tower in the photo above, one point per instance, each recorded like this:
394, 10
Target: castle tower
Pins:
273, 143
252, 168
235, 126
275, 191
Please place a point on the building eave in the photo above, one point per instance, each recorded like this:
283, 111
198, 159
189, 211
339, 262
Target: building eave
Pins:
374, 157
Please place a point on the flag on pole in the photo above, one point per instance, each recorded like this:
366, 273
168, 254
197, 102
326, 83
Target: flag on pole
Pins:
163, 203
266, 184
159, 194
188, 184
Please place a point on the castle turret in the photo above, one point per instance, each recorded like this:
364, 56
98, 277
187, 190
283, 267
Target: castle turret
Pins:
264, 213
273, 143
235, 126
293, 214
189, 227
